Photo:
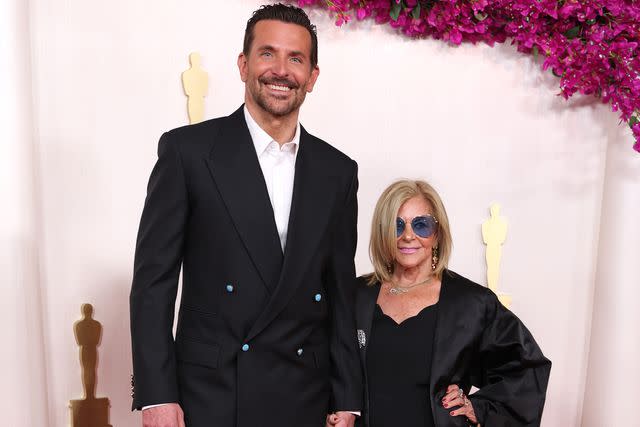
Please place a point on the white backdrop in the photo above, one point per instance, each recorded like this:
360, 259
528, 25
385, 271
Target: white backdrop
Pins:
482, 124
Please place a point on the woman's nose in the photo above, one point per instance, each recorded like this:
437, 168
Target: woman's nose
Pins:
408, 233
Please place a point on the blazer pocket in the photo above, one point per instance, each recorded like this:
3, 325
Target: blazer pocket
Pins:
197, 352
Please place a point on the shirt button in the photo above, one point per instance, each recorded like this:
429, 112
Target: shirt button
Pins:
318, 297
300, 351
229, 288
245, 347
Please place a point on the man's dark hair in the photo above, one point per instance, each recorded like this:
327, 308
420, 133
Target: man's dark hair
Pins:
284, 13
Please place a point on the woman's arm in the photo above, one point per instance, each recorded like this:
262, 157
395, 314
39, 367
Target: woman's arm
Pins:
510, 371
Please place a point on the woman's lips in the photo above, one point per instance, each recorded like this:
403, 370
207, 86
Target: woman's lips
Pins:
408, 250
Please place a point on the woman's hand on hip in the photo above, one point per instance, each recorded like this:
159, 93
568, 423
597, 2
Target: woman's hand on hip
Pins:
459, 404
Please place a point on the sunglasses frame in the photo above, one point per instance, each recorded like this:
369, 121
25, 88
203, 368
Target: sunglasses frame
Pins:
404, 228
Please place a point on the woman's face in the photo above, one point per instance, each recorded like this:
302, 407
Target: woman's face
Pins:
411, 249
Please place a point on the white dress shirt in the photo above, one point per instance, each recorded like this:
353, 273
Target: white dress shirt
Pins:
278, 164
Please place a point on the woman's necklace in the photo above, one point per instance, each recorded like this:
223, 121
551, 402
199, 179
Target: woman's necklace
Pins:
396, 289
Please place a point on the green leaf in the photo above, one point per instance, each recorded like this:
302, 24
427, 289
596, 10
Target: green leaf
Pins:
416, 12
394, 13
572, 33
633, 121
480, 16
591, 21
535, 52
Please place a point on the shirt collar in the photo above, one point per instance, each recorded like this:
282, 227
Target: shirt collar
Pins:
261, 139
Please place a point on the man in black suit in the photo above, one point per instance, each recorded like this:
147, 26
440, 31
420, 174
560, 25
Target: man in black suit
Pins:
261, 216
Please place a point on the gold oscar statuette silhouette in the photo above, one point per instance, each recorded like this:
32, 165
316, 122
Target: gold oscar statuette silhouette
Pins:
494, 233
90, 411
195, 83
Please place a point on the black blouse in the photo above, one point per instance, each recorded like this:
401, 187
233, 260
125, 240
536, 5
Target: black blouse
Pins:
399, 369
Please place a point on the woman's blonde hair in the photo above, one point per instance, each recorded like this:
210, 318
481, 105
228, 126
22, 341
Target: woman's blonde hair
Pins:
382, 246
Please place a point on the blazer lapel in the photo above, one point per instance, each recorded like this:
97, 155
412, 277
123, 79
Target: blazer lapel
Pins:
365, 307
450, 321
311, 206
235, 169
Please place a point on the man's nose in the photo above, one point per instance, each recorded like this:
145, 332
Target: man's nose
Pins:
280, 67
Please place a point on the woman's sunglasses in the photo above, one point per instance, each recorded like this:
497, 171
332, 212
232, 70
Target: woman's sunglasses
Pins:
422, 226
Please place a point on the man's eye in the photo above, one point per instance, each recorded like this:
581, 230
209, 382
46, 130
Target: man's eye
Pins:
296, 60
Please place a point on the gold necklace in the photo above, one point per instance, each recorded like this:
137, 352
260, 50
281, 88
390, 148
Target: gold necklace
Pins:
396, 289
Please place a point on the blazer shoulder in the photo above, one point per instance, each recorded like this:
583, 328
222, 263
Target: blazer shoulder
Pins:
366, 297
363, 280
195, 138
466, 288
328, 151
197, 129
363, 288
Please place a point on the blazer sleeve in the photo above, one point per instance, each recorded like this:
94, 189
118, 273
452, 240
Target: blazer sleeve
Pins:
511, 373
346, 373
157, 264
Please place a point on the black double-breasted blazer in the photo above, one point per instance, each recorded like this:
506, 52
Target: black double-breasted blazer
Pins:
263, 338
477, 342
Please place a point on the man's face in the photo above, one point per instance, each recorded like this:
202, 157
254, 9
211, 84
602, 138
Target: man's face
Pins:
277, 71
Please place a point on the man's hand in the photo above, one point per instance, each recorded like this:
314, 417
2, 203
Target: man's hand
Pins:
341, 419
169, 415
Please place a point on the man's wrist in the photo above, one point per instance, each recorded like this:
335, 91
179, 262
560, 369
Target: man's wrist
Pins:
356, 413
156, 405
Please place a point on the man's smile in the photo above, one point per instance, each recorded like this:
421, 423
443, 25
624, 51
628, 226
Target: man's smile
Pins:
279, 88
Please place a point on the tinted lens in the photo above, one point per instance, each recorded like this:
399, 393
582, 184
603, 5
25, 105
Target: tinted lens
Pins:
423, 226
399, 227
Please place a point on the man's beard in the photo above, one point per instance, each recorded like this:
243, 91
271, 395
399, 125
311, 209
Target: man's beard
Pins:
277, 107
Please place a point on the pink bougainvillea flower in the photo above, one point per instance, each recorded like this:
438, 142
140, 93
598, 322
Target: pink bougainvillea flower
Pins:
591, 45
636, 133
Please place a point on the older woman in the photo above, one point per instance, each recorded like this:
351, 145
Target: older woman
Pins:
427, 334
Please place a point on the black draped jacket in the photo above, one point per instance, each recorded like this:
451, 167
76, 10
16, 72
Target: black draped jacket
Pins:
477, 342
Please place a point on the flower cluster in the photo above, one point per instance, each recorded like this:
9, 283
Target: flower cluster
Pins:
591, 45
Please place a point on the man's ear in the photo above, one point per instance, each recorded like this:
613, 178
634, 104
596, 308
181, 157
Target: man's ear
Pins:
314, 77
242, 66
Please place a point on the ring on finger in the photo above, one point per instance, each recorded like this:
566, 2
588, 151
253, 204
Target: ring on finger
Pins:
460, 392
466, 401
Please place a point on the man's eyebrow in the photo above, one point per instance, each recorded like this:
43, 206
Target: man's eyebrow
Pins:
272, 48
266, 47
297, 53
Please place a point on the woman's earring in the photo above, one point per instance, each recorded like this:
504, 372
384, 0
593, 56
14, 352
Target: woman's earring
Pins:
434, 257
389, 270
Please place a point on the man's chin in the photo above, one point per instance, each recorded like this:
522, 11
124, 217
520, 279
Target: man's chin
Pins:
277, 110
